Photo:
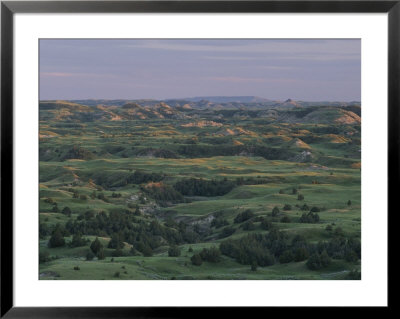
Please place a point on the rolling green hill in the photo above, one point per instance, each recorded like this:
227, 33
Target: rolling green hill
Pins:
180, 190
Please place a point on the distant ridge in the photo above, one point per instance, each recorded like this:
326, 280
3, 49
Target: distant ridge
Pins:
227, 99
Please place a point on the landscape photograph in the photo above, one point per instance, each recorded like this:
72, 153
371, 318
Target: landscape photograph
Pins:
199, 159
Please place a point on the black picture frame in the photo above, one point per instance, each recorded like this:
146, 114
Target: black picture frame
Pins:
9, 8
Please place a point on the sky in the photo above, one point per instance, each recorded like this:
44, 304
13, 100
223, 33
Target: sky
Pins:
308, 70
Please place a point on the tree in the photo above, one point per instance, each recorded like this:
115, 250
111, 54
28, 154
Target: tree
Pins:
117, 252
349, 203
287, 207
241, 217
286, 257
78, 241
254, 265
100, 255
116, 241
314, 262
174, 251
55, 208
66, 211
285, 219
96, 246
275, 211
43, 256
196, 260
147, 251
211, 254
249, 225
325, 259
89, 256
300, 254
266, 224
56, 239
350, 256
300, 197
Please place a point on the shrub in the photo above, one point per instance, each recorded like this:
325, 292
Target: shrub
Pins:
286, 257
243, 216
43, 257
116, 242
266, 225
78, 241
227, 231
285, 219
100, 255
174, 251
275, 211
212, 254
300, 197
56, 239
77, 268
310, 218
96, 246
305, 207
147, 251
196, 260
314, 262
249, 225
90, 256
287, 207
300, 254
117, 253
325, 259
66, 211
350, 256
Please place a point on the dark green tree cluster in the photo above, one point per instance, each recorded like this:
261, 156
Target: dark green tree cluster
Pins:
310, 218
243, 216
97, 248
212, 254
57, 237
201, 187
227, 231
174, 251
163, 192
78, 241
318, 261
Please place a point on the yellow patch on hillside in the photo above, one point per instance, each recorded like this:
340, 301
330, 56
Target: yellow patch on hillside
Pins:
336, 138
356, 165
